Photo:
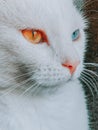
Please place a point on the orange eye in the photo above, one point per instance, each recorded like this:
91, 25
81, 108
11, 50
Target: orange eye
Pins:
35, 36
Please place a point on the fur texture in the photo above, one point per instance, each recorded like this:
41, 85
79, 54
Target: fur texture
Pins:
37, 92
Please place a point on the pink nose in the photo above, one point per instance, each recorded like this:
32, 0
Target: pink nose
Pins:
71, 66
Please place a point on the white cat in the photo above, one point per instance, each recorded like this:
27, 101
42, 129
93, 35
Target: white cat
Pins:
42, 45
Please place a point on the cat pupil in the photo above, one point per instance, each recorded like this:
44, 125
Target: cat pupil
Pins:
33, 33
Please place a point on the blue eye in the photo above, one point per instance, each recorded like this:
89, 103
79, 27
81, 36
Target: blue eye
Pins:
75, 35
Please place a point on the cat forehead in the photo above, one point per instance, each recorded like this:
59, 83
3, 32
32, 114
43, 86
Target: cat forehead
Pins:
44, 3
37, 12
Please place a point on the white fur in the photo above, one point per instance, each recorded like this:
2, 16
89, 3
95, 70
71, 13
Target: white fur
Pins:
59, 102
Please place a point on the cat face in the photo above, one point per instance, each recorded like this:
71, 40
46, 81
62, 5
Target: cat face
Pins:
53, 50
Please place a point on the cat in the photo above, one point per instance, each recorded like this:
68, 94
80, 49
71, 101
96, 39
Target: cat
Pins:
42, 47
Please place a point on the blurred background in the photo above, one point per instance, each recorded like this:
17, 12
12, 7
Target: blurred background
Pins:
91, 10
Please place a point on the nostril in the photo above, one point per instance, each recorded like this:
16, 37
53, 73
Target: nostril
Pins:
68, 66
72, 68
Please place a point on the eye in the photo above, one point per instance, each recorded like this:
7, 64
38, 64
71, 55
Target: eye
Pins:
34, 36
76, 35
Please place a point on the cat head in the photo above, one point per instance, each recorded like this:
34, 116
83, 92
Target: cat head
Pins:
42, 43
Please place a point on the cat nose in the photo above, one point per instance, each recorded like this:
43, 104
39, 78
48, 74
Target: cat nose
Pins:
71, 66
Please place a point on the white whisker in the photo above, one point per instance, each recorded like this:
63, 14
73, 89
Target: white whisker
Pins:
31, 87
94, 85
15, 78
91, 64
91, 77
9, 90
90, 71
88, 85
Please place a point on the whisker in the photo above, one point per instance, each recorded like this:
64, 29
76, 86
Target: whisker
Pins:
91, 64
8, 91
17, 77
90, 71
91, 81
88, 85
35, 90
90, 76
27, 90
